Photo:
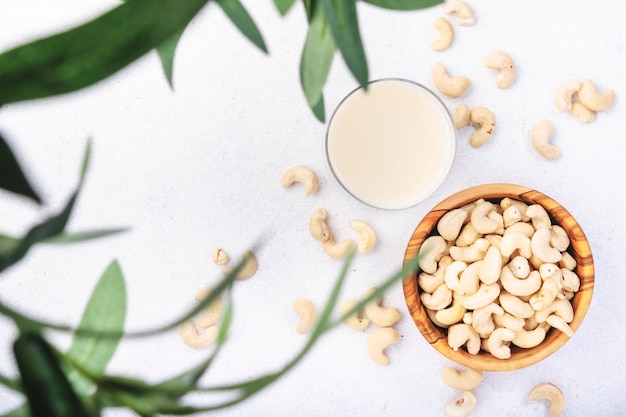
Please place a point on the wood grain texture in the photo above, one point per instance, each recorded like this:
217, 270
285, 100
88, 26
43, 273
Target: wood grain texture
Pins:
579, 248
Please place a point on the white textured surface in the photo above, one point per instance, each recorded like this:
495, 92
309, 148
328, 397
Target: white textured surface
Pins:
200, 168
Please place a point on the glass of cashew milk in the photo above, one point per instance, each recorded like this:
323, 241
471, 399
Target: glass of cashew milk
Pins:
392, 145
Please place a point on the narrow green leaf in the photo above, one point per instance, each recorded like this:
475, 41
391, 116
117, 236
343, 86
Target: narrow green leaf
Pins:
48, 228
66, 237
8, 244
12, 383
319, 111
309, 6
404, 4
105, 311
317, 57
166, 51
284, 6
343, 20
242, 19
21, 411
89, 53
12, 177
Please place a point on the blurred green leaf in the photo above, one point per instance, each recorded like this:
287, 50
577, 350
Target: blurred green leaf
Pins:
317, 57
319, 110
47, 389
284, 6
66, 237
308, 8
344, 23
12, 178
89, 53
12, 383
404, 4
242, 19
48, 228
21, 411
8, 244
166, 51
105, 311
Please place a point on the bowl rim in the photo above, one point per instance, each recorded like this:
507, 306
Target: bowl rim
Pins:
520, 358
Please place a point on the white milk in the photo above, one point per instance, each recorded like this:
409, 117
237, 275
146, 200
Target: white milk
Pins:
391, 146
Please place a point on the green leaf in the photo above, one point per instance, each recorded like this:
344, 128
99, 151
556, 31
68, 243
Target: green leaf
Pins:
166, 52
319, 111
8, 244
242, 19
308, 8
404, 4
12, 178
344, 23
14, 384
317, 57
284, 6
21, 411
105, 311
45, 230
89, 53
66, 237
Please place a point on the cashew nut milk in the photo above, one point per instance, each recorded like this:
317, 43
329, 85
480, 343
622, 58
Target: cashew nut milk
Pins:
392, 145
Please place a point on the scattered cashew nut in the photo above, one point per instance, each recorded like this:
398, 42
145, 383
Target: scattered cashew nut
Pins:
448, 85
461, 407
353, 321
461, 116
464, 380
378, 341
367, 239
212, 313
503, 62
337, 250
552, 394
251, 264
485, 121
446, 34
193, 338
220, 256
583, 113
594, 100
303, 175
463, 11
564, 95
540, 138
318, 226
307, 312
379, 315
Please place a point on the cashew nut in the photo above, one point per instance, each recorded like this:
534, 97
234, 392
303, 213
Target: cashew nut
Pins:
549, 270
538, 216
559, 239
540, 245
560, 324
515, 306
452, 314
567, 261
516, 241
486, 294
501, 61
482, 318
318, 226
367, 235
475, 252
379, 315
498, 342
507, 202
546, 295
485, 122
540, 138
446, 34
489, 270
529, 338
451, 276
521, 227
467, 236
450, 224
461, 116
463, 334
509, 321
563, 97
190, 335
594, 100
520, 267
220, 257
302, 175
307, 312
463, 380
432, 249
250, 266
584, 114
479, 219
569, 280
337, 250
430, 282
439, 299
560, 307
552, 394
212, 313
463, 11
378, 341
461, 407
511, 215
470, 281
448, 85
520, 287
353, 321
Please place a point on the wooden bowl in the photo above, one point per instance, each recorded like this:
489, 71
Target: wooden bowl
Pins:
520, 357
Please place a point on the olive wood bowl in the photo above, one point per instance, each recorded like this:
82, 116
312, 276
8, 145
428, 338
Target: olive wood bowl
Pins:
520, 357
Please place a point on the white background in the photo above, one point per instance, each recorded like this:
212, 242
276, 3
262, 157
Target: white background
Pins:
200, 168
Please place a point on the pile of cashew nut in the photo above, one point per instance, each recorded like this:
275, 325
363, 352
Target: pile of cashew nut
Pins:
383, 317
202, 332
467, 379
497, 274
